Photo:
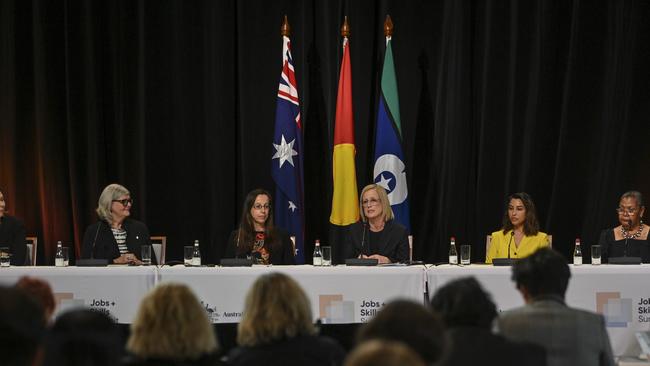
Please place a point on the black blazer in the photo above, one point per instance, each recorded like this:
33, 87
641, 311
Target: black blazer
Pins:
12, 235
611, 247
282, 255
393, 241
106, 247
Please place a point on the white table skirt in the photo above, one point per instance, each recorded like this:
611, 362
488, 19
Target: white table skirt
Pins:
337, 294
116, 291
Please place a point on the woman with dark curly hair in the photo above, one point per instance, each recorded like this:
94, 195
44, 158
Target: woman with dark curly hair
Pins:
520, 231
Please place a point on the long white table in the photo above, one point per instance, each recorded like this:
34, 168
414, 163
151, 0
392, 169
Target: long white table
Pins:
620, 293
337, 294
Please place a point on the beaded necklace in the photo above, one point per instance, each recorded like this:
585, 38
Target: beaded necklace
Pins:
627, 235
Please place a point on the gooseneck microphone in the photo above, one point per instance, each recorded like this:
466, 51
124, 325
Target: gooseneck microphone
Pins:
629, 225
512, 235
92, 249
363, 235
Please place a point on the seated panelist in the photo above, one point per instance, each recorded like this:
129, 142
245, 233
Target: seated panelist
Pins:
115, 236
520, 230
377, 235
630, 238
257, 237
12, 235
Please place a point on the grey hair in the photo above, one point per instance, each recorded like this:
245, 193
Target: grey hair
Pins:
110, 193
638, 197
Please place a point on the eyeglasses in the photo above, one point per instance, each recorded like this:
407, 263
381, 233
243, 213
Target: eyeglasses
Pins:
624, 210
370, 202
259, 207
125, 202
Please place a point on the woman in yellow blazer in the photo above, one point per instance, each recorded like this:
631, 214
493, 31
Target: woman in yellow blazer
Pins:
520, 230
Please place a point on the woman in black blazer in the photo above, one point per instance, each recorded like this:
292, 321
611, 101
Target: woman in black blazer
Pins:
377, 235
116, 236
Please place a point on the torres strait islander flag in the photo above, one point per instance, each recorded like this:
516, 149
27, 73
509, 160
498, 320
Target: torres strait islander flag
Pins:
345, 206
390, 170
286, 162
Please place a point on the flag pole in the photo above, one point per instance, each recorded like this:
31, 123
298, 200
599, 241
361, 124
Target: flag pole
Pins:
388, 27
345, 28
285, 30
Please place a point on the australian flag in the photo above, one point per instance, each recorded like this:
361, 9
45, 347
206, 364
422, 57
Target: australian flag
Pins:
287, 156
390, 170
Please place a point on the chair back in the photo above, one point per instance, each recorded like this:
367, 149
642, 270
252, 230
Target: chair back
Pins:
32, 249
159, 246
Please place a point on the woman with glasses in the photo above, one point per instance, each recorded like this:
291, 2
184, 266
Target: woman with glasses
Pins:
377, 235
115, 236
519, 235
630, 238
257, 237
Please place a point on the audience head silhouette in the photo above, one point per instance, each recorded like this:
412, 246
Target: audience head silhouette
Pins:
411, 323
276, 308
544, 273
464, 303
171, 324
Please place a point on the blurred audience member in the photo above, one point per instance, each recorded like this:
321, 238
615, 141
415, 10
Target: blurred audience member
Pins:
277, 328
383, 353
570, 336
41, 292
410, 323
21, 327
83, 337
172, 328
468, 312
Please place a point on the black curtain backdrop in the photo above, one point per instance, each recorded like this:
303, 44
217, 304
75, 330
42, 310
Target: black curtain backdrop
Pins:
176, 100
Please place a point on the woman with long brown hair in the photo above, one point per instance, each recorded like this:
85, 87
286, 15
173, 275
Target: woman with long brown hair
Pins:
257, 237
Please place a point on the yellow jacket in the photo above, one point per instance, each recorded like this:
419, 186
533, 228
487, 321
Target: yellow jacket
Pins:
527, 246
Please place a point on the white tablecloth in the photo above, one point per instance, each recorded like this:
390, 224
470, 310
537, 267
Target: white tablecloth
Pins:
620, 293
337, 294
116, 291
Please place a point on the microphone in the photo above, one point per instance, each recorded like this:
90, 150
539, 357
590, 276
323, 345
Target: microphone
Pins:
505, 261
629, 225
92, 249
512, 235
363, 235
92, 262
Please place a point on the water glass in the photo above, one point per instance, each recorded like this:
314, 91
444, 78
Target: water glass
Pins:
465, 254
145, 252
188, 253
5, 257
595, 254
327, 255
66, 256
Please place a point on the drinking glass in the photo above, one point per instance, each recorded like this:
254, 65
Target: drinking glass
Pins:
188, 253
145, 252
595, 254
465, 254
66, 256
5, 257
327, 255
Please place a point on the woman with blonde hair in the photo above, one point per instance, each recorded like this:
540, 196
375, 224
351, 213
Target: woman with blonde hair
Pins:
377, 235
116, 236
172, 328
277, 328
